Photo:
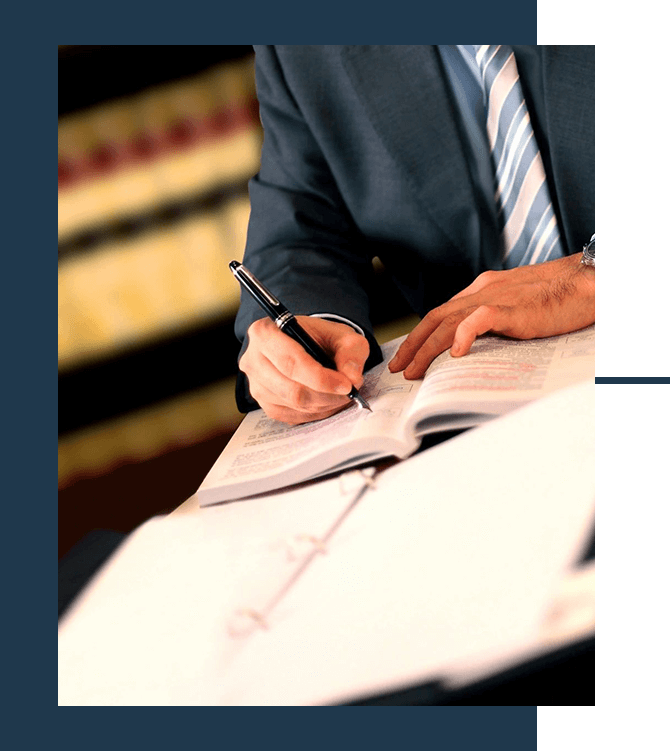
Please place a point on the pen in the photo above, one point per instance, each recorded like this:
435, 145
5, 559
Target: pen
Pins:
286, 322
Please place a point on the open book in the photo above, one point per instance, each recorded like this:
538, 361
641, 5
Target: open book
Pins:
444, 566
497, 376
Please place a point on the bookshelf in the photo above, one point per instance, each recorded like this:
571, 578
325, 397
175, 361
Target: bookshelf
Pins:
152, 198
156, 145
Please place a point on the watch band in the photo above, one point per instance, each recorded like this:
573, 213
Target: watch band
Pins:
589, 252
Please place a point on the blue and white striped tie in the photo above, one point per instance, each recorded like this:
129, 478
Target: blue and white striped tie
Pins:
529, 229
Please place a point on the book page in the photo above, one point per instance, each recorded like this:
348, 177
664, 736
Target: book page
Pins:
161, 622
499, 374
390, 396
269, 453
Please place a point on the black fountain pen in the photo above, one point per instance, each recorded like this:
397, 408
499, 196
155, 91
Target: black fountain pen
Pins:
286, 322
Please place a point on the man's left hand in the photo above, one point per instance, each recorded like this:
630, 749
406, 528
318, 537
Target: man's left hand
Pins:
528, 302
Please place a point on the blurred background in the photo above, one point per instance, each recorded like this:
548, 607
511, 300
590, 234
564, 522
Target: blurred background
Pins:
156, 145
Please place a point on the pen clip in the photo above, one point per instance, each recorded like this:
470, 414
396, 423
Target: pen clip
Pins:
243, 275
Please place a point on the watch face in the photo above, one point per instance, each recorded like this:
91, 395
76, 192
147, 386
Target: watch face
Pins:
590, 248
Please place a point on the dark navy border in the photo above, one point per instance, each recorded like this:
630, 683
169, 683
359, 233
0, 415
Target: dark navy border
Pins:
297, 22
633, 379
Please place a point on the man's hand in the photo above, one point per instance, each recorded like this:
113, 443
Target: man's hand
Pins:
289, 384
524, 303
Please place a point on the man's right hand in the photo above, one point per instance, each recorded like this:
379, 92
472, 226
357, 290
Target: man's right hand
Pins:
289, 384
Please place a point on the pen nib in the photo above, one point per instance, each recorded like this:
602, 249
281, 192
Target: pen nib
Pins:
362, 403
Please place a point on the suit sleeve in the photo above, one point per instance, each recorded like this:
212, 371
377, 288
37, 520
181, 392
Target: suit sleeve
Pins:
301, 242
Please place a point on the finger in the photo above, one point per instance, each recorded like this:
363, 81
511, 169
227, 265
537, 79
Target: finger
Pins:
347, 347
271, 388
293, 417
439, 341
420, 335
415, 340
351, 353
290, 359
293, 362
480, 321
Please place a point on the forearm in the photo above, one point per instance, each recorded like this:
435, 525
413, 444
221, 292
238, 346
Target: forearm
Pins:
566, 301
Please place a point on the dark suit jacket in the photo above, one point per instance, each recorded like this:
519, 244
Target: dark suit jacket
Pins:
363, 156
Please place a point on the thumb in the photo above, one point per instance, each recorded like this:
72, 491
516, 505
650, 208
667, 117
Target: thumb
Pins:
347, 347
351, 352
353, 370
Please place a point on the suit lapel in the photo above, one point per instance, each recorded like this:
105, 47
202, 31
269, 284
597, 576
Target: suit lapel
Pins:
404, 98
558, 83
570, 102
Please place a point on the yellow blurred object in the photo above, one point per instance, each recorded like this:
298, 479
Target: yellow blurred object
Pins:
135, 171
161, 282
145, 188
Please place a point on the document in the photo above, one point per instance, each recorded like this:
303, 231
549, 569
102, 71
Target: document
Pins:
497, 376
161, 622
445, 563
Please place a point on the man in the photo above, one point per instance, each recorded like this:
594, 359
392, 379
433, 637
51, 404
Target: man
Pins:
386, 151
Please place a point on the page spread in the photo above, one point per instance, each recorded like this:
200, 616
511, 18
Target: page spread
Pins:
498, 375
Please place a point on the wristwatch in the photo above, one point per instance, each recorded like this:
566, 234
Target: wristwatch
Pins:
589, 252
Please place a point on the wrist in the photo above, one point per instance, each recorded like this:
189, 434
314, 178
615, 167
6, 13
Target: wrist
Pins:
584, 273
589, 252
583, 286
339, 319
587, 264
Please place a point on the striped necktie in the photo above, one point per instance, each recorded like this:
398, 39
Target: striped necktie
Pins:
529, 229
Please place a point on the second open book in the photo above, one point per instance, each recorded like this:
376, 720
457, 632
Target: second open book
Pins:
497, 376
